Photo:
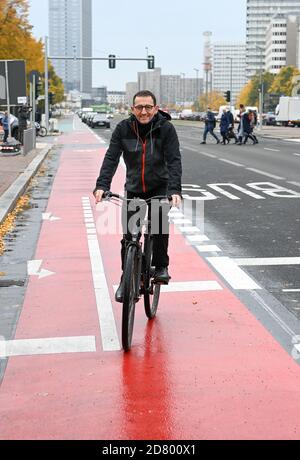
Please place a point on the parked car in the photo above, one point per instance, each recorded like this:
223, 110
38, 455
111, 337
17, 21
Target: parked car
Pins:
269, 119
100, 119
175, 115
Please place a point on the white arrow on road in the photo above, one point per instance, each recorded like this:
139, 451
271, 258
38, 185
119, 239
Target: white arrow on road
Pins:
50, 217
34, 269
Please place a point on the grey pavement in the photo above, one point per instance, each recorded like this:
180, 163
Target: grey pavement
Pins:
16, 171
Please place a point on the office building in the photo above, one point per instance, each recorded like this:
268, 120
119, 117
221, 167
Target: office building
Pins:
116, 97
70, 34
259, 15
283, 43
228, 67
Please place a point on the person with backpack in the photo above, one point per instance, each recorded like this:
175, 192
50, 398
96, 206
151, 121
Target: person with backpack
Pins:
231, 134
224, 127
210, 124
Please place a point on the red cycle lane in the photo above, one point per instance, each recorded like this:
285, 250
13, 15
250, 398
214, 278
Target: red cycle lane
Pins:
204, 369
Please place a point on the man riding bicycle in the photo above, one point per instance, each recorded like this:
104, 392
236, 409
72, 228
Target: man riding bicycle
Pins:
150, 147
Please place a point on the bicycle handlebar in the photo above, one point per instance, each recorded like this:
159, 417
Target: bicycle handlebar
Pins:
109, 195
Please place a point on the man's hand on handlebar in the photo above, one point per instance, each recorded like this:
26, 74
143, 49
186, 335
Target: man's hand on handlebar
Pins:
98, 194
176, 201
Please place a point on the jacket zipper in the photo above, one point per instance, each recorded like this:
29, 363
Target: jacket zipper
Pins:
144, 166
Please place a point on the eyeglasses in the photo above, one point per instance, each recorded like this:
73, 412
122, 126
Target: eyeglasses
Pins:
148, 108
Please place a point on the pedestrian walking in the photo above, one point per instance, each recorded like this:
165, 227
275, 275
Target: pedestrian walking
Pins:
210, 124
231, 134
224, 127
247, 128
5, 125
23, 117
253, 123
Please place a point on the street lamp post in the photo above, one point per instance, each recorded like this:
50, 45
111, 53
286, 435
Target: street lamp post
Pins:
197, 83
231, 99
183, 86
261, 91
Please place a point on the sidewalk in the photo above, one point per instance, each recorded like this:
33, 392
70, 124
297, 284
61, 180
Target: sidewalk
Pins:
16, 171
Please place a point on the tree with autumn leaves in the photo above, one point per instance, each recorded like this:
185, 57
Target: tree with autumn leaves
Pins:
281, 85
17, 42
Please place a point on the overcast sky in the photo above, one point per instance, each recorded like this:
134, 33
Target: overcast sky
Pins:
171, 29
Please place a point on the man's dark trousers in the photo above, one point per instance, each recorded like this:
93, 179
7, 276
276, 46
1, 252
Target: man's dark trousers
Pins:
161, 238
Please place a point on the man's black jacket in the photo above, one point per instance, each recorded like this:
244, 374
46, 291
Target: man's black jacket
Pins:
152, 158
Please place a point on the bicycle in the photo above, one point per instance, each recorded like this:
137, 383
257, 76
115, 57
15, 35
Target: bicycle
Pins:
138, 275
40, 130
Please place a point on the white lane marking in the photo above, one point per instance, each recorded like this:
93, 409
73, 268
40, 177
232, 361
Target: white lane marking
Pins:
219, 189
295, 183
208, 248
189, 286
189, 229
109, 334
34, 269
296, 154
193, 286
258, 171
272, 150
292, 140
290, 290
197, 238
232, 162
232, 273
89, 221
270, 261
50, 217
90, 225
209, 155
52, 346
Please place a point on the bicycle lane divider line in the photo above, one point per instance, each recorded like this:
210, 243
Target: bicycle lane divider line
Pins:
109, 335
51, 346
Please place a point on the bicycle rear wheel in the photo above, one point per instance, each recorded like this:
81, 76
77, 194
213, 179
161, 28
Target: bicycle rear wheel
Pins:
151, 291
129, 297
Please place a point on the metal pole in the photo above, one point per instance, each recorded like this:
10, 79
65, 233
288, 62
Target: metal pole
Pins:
7, 99
46, 86
33, 100
231, 83
30, 101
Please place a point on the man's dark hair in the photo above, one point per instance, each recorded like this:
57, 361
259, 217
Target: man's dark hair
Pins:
145, 93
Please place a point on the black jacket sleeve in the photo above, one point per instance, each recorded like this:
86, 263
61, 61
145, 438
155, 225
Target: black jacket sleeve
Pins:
173, 160
110, 162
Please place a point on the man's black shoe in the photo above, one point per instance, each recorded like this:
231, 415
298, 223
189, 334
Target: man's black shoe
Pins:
120, 292
202, 143
161, 275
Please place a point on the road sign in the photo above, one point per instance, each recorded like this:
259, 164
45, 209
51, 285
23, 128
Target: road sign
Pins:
16, 81
32, 74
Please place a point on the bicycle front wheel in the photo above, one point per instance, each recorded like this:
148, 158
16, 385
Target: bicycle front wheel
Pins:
151, 292
42, 132
129, 297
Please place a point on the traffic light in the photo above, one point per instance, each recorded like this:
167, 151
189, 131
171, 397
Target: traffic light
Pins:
38, 87
51, 98
112, 61
227, 96
151, 62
